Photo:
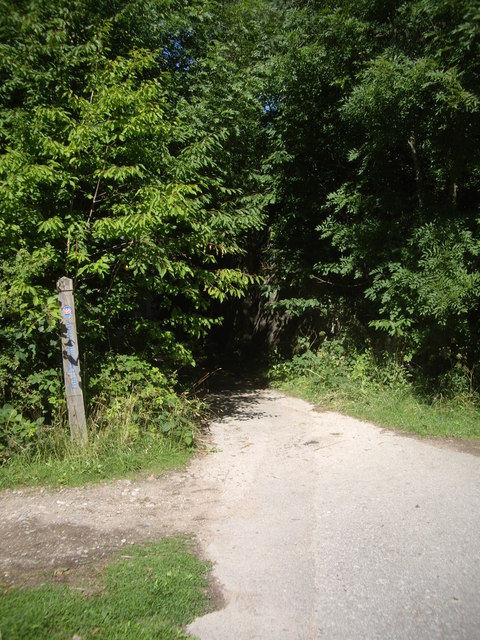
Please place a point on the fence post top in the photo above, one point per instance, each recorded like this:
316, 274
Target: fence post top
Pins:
65, 284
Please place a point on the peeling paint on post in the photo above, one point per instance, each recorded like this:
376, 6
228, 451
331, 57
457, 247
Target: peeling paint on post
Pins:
71, 362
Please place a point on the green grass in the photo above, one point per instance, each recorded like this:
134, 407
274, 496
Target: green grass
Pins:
392, 407
151, 593
402, 410
100, 460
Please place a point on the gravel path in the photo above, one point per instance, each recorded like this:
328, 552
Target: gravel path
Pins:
319, 526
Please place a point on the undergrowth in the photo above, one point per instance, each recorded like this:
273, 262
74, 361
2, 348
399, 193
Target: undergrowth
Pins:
381, 391
149, 592
136, 421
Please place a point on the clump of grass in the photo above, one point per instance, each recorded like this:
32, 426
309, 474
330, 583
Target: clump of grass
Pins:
406, 411
151, 593
382, 393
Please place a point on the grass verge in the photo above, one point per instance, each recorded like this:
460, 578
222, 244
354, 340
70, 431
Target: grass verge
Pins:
392, 408
150, 593
101, 459
381, 392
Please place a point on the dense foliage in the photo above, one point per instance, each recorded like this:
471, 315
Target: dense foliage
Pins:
166, 155
118, 170
378, 107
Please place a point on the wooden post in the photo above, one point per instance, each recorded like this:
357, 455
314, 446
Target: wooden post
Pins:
71, 362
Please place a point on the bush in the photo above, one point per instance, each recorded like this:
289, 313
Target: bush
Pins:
383, 389
332, 368
16, 432
139, 399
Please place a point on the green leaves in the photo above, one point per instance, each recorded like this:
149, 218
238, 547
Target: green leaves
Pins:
434, 282
16, 432
375, 216
136, 177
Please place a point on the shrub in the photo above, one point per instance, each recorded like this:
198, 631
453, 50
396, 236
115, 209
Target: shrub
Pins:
135, 398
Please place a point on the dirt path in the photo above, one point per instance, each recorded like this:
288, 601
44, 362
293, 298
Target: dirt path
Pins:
320, 526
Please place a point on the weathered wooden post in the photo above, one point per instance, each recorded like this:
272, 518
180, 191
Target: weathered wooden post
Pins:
71, 362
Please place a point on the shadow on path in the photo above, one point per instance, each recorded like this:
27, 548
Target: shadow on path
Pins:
234, 394
238, 405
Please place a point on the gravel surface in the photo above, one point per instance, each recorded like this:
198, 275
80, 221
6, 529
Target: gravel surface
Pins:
318, 525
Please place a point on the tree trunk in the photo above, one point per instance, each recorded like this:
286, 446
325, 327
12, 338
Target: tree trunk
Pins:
418, 173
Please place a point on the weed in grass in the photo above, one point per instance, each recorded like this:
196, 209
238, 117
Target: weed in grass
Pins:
151, 593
